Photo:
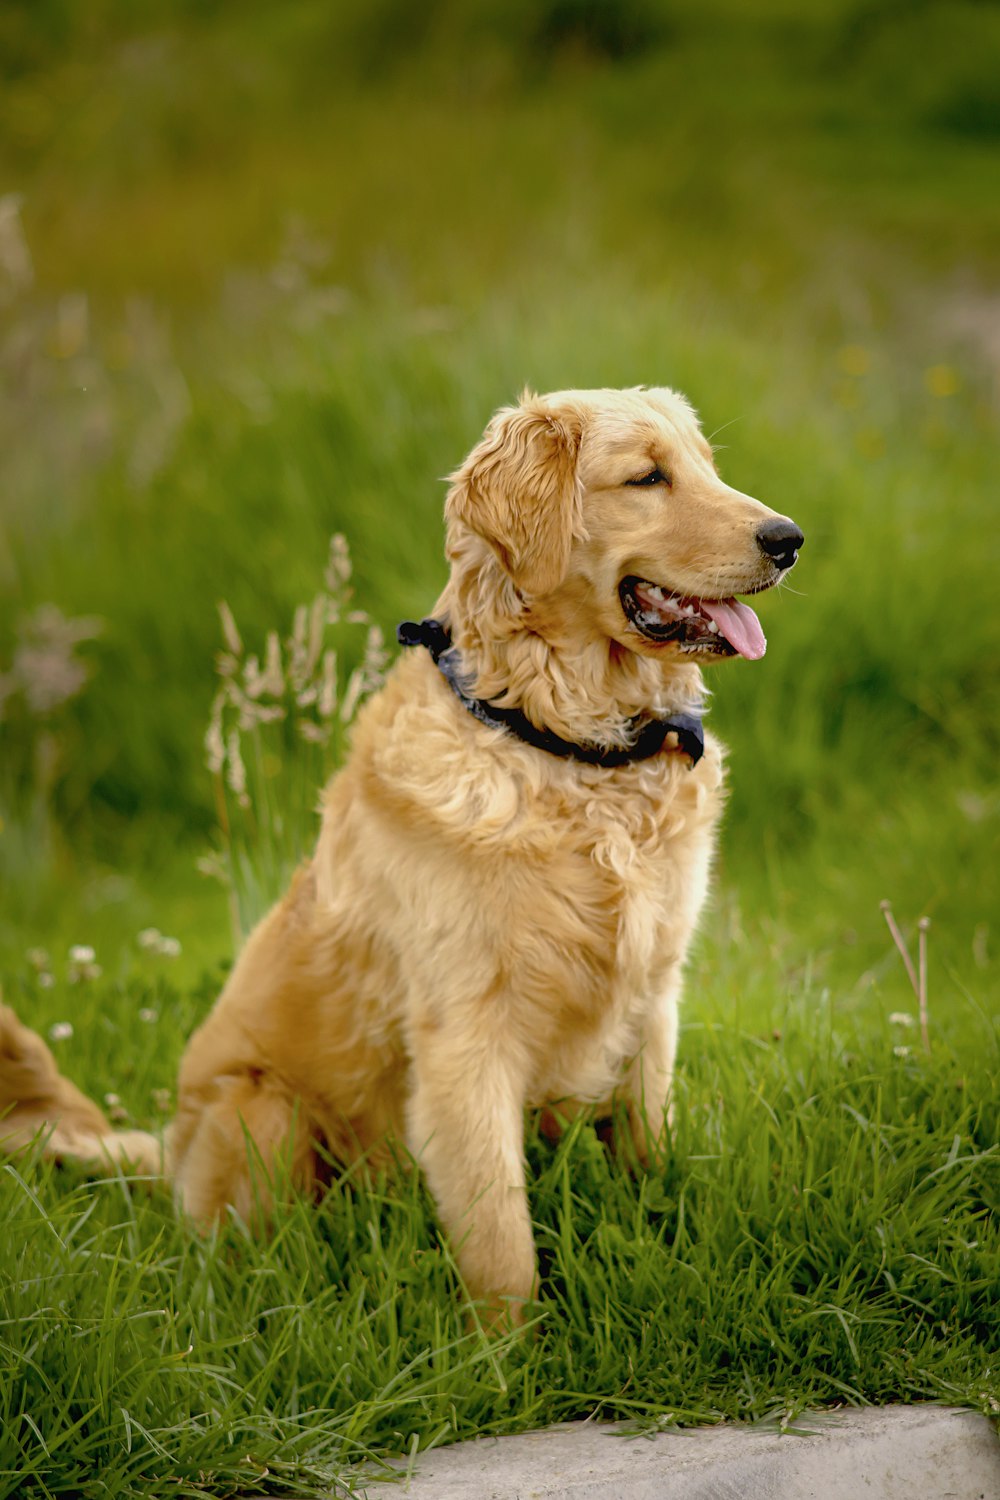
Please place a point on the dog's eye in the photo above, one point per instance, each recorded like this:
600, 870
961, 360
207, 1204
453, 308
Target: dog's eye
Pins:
655, 476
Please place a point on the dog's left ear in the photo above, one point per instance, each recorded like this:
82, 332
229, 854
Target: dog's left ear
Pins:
519, 490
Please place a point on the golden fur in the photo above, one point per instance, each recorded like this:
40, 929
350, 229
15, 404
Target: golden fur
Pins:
483, 927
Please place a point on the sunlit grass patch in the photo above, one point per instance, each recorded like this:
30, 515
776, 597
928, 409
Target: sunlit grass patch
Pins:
826, 1231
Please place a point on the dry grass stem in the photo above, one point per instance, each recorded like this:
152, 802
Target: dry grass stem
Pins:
900, 942
918, 980
925, 1033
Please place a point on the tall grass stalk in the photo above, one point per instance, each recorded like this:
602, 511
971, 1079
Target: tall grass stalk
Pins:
276, 728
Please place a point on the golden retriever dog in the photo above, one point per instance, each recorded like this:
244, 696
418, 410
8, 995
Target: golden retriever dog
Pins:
512, 861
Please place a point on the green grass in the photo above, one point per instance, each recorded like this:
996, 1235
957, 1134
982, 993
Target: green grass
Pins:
826, 1232
313, 257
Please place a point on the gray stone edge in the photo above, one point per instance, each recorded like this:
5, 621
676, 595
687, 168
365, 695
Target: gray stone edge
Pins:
924, 1452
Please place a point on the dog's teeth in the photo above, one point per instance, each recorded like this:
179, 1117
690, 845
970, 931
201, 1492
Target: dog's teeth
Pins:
713, 628
655, 592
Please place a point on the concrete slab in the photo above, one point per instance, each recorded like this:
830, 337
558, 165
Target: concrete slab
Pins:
872, 1453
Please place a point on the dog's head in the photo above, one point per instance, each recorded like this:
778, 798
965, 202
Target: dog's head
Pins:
605, 507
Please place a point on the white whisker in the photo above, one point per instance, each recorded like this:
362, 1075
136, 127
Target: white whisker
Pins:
732, 420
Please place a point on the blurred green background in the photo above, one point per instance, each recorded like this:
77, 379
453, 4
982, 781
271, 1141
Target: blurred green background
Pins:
265, 271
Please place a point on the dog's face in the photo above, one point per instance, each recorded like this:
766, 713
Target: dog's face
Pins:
606, 507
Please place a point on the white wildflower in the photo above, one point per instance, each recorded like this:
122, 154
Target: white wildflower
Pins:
82, 964
366, 678
111, 1100
46, 981
153, 940
38, 958
45, 668
901, 1018
268, 713
215, 749
376, 658
352, 695
61, 1031
306, 641
233, 639
148, 1016
77, 972
272, 679
338, 566
298, 671
247, 710
328, 688
213, 867
236, 775
901, 1051
253, 679
313, 734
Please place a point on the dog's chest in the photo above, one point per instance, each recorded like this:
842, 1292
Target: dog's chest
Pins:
648, 843
623, 886
644, 880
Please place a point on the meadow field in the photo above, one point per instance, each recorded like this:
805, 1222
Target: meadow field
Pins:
265, 272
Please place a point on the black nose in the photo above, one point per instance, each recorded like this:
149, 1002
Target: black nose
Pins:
781, 540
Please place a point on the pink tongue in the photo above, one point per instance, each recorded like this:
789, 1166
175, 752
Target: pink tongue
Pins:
738, 624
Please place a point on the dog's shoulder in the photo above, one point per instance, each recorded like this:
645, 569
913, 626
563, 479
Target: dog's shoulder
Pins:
420, 754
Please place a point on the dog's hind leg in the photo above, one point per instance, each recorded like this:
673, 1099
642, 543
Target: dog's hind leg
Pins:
241, 1149
37, 1103
244, 1131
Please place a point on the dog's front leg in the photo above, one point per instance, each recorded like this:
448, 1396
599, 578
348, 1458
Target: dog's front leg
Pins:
466, 1128
648, 1084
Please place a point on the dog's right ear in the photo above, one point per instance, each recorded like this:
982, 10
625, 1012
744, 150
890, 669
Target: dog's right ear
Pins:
519, 490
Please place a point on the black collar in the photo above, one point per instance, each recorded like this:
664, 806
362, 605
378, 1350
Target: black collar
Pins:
649, 739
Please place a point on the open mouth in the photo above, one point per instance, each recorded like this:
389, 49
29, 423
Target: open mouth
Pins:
708, 627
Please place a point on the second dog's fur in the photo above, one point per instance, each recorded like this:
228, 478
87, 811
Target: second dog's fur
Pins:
486, 926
